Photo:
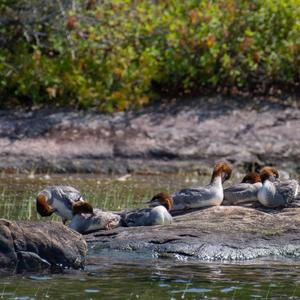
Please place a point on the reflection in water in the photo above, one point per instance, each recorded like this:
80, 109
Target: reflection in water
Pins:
114, 275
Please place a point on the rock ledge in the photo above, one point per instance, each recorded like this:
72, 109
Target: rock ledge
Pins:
224, 233
38, 246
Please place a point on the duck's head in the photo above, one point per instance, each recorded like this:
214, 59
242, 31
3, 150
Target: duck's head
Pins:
268, 173
222, 169
251, 177
82, 207
161, 199
42, 206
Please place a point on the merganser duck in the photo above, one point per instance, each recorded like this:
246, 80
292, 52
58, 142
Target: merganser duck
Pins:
275, 193
86, 219
210, 195
243, 192
157, 214
57, 199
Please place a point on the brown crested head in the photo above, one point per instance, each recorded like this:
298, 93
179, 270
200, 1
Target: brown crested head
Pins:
269, 173
251, 177
42, 206
161, 199
82, 207
222, 169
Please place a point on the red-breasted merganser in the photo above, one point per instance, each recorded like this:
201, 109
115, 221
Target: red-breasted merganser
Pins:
157, 214
210, 195
86, 219
244, 192
275, 193
57, 199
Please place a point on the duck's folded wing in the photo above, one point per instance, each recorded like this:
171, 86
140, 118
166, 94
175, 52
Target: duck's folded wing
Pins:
193, 191
85, 223
135, 218
240, 193
72, 193
288, 190
104, 220
193, 198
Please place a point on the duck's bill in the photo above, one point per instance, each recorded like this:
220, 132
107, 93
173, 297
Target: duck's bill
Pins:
224, 176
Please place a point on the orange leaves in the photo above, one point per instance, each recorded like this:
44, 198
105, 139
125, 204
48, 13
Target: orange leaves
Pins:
211, 40
143, 100
118, 71
71, 22
52, 92
194, 16
256, 57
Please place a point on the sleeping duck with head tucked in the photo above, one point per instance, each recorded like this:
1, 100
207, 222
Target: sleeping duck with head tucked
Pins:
87, 219
244, 192
209, 195
156, 214
276, 193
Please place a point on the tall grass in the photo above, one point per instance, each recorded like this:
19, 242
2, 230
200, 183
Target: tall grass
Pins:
17, 193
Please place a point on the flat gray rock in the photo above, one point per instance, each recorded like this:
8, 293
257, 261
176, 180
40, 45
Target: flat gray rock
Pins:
224, 233
38, 246
186, 135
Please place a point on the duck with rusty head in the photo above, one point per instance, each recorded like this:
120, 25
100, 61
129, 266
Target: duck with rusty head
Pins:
275, 193
88, 219
209, 195
244, 192
57, 199
156, 214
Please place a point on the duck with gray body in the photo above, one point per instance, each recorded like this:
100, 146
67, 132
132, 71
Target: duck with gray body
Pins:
210, 195
275, 193
244, 192
99, 220
147, 217
157, 214
60, 200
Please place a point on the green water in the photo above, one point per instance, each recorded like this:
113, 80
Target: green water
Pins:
114, 275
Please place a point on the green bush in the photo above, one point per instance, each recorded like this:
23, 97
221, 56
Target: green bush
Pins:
114, 54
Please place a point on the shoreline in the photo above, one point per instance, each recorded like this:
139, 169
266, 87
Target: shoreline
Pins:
181, 136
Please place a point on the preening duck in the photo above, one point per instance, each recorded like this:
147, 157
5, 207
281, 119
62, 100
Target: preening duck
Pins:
57, 199
209, 195
275, 193
86, 219
157, 214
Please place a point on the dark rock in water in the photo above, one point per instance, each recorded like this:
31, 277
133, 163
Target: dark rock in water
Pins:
223, 233
38, 246
188, 135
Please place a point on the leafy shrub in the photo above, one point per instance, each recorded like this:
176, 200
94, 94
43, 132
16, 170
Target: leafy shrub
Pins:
112, 54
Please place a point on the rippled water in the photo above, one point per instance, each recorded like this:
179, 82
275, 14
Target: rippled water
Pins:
107, 278
114, 275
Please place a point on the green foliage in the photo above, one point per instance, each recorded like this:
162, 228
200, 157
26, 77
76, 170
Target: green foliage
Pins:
109, 54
